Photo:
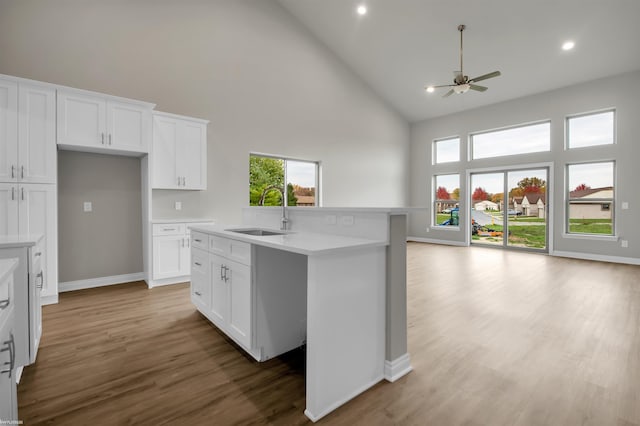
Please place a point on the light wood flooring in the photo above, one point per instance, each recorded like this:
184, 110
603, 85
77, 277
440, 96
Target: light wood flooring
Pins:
495, 338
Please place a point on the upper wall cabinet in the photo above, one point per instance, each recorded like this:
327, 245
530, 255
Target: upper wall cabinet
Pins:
93, 123
179, 155
27, 133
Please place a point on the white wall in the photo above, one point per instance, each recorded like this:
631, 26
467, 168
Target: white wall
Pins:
621, 92
248, 66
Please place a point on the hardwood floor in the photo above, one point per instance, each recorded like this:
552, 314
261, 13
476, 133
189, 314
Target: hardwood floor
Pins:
495, 338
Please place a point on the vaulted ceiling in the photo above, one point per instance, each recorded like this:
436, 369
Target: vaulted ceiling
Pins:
400, 46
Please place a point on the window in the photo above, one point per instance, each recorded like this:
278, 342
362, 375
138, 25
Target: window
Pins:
590, 198
446, 151
512, 141
267, 176
590, 130
446, 198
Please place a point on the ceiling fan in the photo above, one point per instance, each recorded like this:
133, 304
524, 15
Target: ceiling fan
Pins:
461, 82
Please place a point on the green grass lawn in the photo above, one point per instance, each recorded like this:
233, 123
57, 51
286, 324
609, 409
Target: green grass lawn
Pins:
591, 228
587, 221
441, 217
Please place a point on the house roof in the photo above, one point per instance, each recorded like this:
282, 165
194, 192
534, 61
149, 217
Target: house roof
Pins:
532, 197
306, 199
586, 192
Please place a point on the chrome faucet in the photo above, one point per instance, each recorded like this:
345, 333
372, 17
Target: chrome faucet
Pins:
284, 221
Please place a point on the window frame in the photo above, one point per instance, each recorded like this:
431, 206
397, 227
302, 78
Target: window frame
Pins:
472, 149
567, 133
611, 201
285, 159
434, 200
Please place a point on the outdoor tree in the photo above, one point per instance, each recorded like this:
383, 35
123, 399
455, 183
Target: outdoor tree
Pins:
497, 198
533, 185
265, 172
442, 193
582, 187
479, 194
455, 194
292, 200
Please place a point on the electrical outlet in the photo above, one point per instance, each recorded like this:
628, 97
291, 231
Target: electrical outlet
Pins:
87, 206
331, 219
346, 220
624, 243
178, 205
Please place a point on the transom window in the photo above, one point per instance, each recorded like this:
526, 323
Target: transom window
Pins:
267, 177
590, 198
516, 140
591, 130
446, 150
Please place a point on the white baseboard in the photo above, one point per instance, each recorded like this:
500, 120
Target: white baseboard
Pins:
49, 300
599, 257
435, 241
99, 282
397, 368
168, 281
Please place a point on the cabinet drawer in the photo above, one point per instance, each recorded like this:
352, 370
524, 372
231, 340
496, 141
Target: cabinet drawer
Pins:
168, 228
199, 261
199, 240
219, 245
240, 252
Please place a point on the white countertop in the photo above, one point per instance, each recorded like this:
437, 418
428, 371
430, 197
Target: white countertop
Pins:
7, 266
182, 220
13, 241
389, 210
307, 243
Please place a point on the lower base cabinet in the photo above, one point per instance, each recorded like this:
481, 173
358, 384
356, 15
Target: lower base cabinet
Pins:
8, 394
255, 295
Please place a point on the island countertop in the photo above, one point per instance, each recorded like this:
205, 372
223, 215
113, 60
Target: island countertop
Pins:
21, 240
301, 242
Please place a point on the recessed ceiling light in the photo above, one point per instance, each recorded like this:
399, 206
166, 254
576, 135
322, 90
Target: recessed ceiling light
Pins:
362, 10
568, 45
430, 89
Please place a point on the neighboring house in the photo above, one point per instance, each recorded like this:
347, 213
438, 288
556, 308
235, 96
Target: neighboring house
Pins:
441, 205
486, 205
531, 204
306, 200
592, 203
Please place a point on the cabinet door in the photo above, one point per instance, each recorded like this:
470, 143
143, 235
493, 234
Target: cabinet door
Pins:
191, 155
8, 400
200, 282
239, 319
81, 120
165, 133
38, 215
8, 209
168, 257
8, 131
37, 136
219, 290
127, 126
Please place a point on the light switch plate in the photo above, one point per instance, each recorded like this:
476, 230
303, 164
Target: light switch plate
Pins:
178, 205
87, 206
625, 205
624, 243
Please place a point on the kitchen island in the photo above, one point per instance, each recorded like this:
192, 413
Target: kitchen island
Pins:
273, 293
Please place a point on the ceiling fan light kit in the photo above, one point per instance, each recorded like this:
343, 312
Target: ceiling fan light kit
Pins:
462, 83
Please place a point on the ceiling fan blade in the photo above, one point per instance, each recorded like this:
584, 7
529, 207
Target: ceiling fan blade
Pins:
449, 93
478, 88
485, 77
444, 85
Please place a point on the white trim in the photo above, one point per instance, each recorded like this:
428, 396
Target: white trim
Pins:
598, 257
168, 281
50, 300
446, 228
595, 237
99, 282
436, 241
315, 417
397, 368
19, 371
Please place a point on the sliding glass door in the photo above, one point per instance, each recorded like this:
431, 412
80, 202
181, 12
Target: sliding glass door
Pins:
509, 209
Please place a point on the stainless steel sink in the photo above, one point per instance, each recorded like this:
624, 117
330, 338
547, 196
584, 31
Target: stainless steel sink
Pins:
257, 231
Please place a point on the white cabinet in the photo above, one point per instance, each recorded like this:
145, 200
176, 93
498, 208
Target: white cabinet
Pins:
8, 394
200, 288
27, 133
171, 253
179, 155
89, 122
31, 209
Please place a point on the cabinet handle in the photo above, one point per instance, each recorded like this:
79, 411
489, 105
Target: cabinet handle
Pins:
38, 254
198, 263
13, 193
41, 276
188, 243
109, 138
226, 278
11, 347
198, 293
22, 172
184, 181
168, 229
13, 171
102, 138
221, 276
197, 240
178, 180
22, 194
4, 304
